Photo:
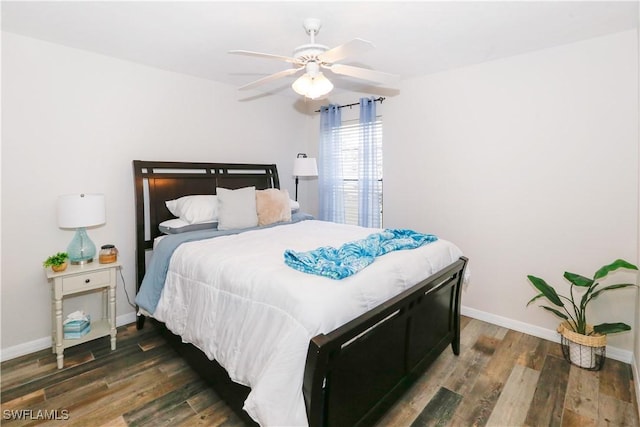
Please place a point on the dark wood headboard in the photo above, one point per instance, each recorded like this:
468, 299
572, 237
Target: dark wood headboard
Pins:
157, 182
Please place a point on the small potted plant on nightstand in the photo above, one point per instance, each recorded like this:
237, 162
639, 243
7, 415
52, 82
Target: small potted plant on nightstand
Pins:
57, 262
582, 344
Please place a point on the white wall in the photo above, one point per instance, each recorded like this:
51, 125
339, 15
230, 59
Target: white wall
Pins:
529, 164
72, 122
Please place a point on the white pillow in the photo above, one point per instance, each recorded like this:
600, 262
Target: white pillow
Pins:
294, 205
237, 208
194, 209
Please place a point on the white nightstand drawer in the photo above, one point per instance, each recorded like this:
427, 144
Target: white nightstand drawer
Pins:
85, 282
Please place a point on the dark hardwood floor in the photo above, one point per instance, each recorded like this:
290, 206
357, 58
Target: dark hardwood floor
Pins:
501, 378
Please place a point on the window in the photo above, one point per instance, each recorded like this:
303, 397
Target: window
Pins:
350, 166
349, 136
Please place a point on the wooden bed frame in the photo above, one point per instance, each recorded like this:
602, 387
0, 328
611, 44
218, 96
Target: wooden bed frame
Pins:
352, 374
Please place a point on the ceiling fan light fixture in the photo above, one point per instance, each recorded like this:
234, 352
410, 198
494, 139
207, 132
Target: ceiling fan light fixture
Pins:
312, 87
311, 57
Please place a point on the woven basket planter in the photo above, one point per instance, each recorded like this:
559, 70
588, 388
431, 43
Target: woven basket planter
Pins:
585, 351
59, 268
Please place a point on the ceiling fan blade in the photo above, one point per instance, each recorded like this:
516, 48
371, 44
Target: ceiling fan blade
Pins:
350, 48
279, 74
264, 55
365, 74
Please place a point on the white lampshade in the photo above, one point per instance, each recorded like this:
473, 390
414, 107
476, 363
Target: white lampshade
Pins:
305, 166
81, 210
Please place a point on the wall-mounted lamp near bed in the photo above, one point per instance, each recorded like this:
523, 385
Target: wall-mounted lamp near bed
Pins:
304, 166
80, 211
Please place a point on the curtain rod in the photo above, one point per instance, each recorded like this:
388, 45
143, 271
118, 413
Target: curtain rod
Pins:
379, 99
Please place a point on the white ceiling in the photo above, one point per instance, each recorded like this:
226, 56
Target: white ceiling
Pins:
411, 38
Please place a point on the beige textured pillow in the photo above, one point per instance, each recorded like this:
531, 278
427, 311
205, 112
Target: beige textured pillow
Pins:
273, 206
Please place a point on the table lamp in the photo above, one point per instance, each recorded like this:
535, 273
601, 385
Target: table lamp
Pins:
304, 166
80, 211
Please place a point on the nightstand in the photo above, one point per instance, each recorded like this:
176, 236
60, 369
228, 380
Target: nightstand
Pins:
76, 280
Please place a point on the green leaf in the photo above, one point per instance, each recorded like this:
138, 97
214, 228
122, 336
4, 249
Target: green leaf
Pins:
535, 298
619, 263
556, 312
611, 328
578, 280
610, 287
546, 290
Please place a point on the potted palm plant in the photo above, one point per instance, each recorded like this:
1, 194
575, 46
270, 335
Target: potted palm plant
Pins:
583, 344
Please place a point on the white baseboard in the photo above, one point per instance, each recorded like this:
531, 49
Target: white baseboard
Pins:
547, 334
45, 342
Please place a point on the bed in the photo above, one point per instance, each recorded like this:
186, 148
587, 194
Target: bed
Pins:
349, 374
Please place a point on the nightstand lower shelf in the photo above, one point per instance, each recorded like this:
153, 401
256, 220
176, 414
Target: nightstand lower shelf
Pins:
99, 328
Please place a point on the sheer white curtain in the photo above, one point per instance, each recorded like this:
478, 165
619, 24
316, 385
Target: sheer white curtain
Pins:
330, 173
369, 167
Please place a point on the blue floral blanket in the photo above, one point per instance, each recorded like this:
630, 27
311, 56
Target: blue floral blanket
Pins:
348, 259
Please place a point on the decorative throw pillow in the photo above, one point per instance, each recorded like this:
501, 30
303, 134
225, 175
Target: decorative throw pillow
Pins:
273, 206
194, 209
236, 208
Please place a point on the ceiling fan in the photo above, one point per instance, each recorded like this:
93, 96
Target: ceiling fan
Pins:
313, 57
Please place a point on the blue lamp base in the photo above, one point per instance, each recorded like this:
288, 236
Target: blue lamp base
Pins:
81, 250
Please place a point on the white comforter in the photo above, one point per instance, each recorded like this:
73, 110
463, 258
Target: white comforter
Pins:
236, 300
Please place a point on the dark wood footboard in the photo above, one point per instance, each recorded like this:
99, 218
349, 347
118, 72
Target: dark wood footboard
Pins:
354, 374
